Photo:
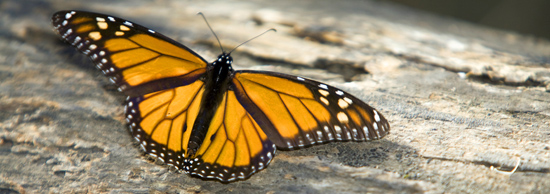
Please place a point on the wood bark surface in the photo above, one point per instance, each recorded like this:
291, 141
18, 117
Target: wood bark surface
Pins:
462, 100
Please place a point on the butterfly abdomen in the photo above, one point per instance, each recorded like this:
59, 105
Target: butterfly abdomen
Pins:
216, 84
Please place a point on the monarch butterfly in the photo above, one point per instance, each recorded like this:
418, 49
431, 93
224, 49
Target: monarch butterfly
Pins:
207, 119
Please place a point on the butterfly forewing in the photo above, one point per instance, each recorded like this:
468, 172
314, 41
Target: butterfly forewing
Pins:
138, 60
296, 112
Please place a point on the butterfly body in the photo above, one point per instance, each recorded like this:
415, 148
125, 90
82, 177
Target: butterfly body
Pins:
217, 80
207, 119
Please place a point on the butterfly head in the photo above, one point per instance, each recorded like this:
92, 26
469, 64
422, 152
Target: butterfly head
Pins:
224, 59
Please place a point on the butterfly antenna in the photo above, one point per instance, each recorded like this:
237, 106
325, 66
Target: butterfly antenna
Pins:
272, 29
219, 43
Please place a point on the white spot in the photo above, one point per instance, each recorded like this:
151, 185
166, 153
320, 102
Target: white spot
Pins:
376, 129
99, 19
130, 104
152, 31
102, 25
76, 40
111, 18
323, 92
269, 155
300, 78
68, 16
69, 31
323, 86
342, 117
324, 100
343, 104
376, 116
128, 23
92, 46
142, 147
65, 22
101, 53
103, 60
94, 56
309, 138
94, 35
366, 130
339, 92
338, 129
348, 100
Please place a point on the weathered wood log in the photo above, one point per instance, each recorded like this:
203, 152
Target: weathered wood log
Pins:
462, 100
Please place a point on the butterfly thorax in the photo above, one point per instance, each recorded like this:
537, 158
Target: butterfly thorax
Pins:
216, 83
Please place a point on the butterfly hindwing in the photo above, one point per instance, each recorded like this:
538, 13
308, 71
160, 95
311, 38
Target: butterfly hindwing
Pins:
296, 112
138, 60
235, 146
161, 121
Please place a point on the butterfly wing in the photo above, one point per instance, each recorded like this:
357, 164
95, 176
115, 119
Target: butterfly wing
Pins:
160, 76
138, 60
162, 121
296, 112
235, 146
